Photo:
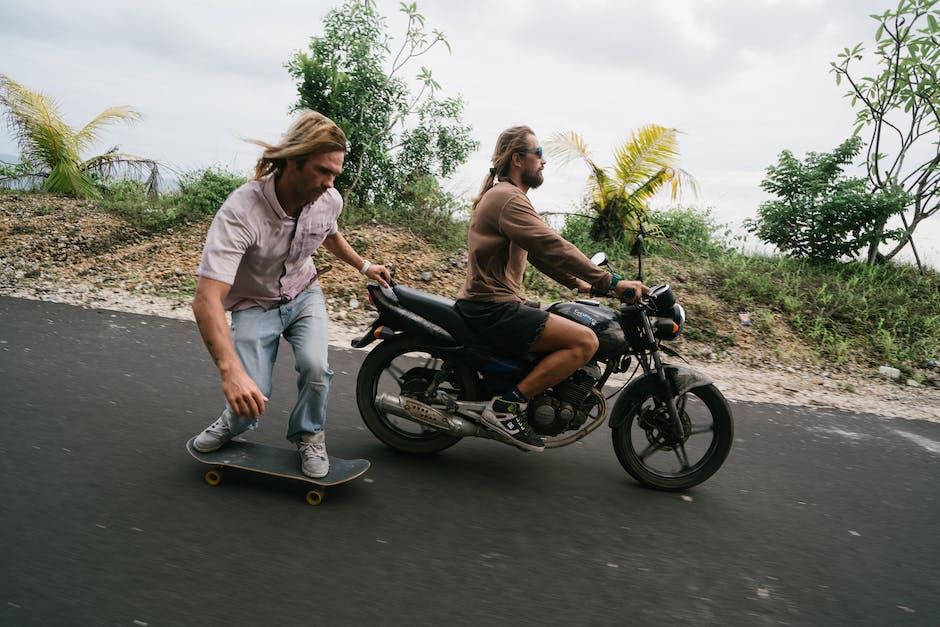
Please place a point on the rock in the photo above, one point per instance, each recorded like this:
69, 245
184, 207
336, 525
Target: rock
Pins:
911, 383
889, 372
354, 303
427, 276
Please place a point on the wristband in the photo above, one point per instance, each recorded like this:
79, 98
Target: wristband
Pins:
366, 264
614, 280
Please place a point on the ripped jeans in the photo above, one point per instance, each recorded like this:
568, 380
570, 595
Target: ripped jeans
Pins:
256, 333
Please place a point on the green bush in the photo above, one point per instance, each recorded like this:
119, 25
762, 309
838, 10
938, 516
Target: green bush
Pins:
124, 190
820, 213
687, 230
684, 231
203, 191
423, 208
577, 230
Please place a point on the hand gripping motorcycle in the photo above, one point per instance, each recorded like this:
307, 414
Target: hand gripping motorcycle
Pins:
424, 386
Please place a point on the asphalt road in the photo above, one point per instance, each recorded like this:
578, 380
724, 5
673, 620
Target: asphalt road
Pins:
818, 517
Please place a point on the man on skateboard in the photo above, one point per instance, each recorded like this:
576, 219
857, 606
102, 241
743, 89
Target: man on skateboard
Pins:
257, 264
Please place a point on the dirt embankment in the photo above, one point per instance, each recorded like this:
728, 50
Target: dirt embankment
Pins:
61, 250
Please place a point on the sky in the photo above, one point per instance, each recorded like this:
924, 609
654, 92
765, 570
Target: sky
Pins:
741, 79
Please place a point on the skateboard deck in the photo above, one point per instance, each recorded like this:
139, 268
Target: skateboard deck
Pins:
278, 462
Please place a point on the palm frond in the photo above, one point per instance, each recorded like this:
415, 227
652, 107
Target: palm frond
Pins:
567, 147
570, 146
112, 115
119, 164
645, 164
35, 122
641, 195
46, 141
67, 178
682, 181
650, 148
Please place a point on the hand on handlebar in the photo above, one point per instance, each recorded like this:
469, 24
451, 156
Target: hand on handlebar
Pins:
630, 291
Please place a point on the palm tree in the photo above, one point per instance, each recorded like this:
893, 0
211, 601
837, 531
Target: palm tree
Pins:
620, 195
52, 149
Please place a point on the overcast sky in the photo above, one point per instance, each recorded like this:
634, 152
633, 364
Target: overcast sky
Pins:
742, 79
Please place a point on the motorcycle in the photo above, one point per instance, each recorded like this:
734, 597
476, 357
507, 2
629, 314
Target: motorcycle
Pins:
423, 387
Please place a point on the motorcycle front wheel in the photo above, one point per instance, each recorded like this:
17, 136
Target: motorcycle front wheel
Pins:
407, 367
652, 453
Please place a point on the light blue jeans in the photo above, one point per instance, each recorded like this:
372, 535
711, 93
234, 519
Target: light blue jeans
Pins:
256, 333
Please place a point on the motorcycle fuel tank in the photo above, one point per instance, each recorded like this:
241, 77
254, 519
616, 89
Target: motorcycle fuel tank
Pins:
605, 323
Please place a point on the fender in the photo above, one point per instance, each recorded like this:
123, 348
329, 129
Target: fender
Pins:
682, 380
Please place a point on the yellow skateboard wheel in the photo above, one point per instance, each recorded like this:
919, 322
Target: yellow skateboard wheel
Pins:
213, 477
315, 496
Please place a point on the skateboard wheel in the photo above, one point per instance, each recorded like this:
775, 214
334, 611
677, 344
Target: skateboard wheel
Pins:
315, 496
213, 477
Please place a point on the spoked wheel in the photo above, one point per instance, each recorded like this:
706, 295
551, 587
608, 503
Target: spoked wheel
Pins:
408, 367
649, 449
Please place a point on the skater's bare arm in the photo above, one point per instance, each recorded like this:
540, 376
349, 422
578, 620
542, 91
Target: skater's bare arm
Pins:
240, 391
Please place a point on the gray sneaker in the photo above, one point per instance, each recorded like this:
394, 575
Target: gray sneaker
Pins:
214, 437
314, 462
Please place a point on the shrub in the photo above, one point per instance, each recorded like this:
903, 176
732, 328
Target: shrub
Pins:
202, 192
687, 230
821, 214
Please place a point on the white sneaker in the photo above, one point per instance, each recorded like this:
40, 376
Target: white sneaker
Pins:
314, 462
214, 437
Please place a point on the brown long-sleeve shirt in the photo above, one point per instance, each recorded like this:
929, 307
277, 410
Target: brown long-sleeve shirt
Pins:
505, 232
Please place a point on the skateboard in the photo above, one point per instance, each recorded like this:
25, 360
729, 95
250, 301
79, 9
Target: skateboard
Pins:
278, 462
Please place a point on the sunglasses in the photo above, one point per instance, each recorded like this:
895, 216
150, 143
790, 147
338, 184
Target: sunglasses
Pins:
536, 151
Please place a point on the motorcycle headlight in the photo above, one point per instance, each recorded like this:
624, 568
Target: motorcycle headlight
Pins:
662, 298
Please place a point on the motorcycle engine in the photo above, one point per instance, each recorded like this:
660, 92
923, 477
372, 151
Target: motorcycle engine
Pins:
563, 408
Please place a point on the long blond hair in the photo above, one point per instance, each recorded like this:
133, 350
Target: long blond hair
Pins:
310, 134
510, 141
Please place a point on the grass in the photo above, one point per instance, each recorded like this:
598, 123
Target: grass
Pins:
887, 313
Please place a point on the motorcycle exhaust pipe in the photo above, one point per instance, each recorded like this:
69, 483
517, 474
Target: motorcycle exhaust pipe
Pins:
417, 411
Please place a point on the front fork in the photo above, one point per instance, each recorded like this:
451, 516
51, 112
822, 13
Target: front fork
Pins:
678, 431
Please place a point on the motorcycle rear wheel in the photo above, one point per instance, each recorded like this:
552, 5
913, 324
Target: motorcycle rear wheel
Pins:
405, 366
653, 456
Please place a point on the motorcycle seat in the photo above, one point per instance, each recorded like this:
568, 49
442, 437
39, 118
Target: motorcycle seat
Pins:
439, 310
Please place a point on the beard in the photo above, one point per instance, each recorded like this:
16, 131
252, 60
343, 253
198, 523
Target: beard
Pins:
533, 179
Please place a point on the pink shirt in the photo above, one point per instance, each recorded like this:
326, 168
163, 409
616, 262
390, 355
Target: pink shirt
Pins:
263, 253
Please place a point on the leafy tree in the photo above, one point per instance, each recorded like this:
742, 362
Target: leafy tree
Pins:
619, 196
822, 214
350, 75
899, 105
51, 149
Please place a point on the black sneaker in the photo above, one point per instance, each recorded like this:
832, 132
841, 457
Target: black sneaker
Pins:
508, 418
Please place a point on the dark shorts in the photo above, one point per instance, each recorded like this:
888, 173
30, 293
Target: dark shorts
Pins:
511, 328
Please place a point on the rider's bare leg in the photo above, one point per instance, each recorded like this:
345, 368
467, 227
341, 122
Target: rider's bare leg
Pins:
566, 345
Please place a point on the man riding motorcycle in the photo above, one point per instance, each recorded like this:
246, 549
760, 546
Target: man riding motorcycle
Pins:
505, 232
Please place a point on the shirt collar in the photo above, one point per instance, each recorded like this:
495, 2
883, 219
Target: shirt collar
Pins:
267, 190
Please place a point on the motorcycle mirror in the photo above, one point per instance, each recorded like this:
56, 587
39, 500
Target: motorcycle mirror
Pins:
637, 249
599, 259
